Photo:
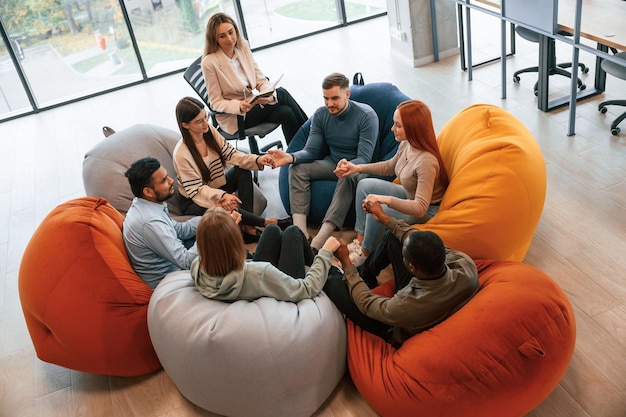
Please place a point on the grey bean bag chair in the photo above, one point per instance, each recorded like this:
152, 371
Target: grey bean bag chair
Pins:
248, 358
105, 164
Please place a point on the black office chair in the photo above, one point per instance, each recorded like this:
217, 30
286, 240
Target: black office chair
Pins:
193, 75
619, 71
554, 68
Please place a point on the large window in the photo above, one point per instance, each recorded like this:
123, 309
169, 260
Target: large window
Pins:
13, 98
65, 50
169, 33
272, 21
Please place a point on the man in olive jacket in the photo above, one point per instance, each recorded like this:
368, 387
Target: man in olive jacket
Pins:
432, 282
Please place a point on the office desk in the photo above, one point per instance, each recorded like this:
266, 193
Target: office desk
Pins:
602, 21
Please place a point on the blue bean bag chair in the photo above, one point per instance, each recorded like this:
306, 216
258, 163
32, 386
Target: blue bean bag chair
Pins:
383, 98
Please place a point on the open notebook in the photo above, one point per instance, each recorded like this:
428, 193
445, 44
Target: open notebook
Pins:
267, 92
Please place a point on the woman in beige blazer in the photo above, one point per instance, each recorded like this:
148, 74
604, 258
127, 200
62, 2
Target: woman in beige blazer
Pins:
231, 74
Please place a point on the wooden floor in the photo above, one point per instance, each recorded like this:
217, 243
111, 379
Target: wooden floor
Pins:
580, 241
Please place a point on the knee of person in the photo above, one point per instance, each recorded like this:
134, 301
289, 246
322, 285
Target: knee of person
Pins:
292, 233
272, 229
353, 179
368, 185
298, 171
282, 112
361, 190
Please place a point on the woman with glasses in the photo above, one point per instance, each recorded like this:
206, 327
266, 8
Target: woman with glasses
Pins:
200, 159
231, 75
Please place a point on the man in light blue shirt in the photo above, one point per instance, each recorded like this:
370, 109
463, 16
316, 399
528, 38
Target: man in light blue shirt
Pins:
154, 242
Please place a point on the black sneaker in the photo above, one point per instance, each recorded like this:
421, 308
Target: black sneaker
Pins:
285, 223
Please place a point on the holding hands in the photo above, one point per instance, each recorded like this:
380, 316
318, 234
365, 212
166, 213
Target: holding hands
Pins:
265, 160
280, 157
375, 209
376, 198
229, 202
339, 248
345, 168
332, 244
343, 254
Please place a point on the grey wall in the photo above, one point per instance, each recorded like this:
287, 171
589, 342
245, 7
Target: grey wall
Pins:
410, 30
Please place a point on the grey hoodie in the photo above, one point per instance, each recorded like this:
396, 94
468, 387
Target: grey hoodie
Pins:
262, 279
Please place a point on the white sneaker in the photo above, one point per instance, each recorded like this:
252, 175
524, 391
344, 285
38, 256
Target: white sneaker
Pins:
357, 258
354, 246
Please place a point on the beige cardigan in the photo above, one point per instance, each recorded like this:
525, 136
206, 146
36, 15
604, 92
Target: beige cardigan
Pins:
190, 183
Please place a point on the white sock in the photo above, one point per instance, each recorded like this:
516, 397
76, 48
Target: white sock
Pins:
300, 221
325, 231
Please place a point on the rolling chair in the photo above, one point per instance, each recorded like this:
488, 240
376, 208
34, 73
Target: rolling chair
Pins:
193, 75
619, 71
555, 69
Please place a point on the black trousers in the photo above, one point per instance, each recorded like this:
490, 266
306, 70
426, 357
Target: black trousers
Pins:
287, 250
287, 112
389, 251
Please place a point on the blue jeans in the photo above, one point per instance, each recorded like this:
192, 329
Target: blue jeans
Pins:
366, 224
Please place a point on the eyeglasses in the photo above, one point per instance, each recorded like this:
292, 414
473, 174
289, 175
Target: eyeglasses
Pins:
203, 120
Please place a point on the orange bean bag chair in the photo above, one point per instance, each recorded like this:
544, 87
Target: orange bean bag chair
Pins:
504, 351
85, 307
498, 356
497, 184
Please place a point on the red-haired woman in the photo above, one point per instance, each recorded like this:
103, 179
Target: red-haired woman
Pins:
419, 169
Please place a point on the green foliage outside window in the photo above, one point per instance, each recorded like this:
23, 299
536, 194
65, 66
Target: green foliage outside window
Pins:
190, 15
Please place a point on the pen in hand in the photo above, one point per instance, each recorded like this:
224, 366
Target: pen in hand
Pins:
245, 106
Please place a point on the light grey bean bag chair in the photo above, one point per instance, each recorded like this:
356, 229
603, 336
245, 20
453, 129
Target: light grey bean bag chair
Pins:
105, 164
260, 358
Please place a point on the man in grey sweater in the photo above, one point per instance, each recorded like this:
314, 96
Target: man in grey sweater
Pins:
342, 129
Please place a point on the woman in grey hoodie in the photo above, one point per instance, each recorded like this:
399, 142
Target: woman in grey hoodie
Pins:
277, 270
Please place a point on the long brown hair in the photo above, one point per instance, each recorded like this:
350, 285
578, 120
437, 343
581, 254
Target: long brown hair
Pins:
188, 109
420, 133
220, 245
210, 36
